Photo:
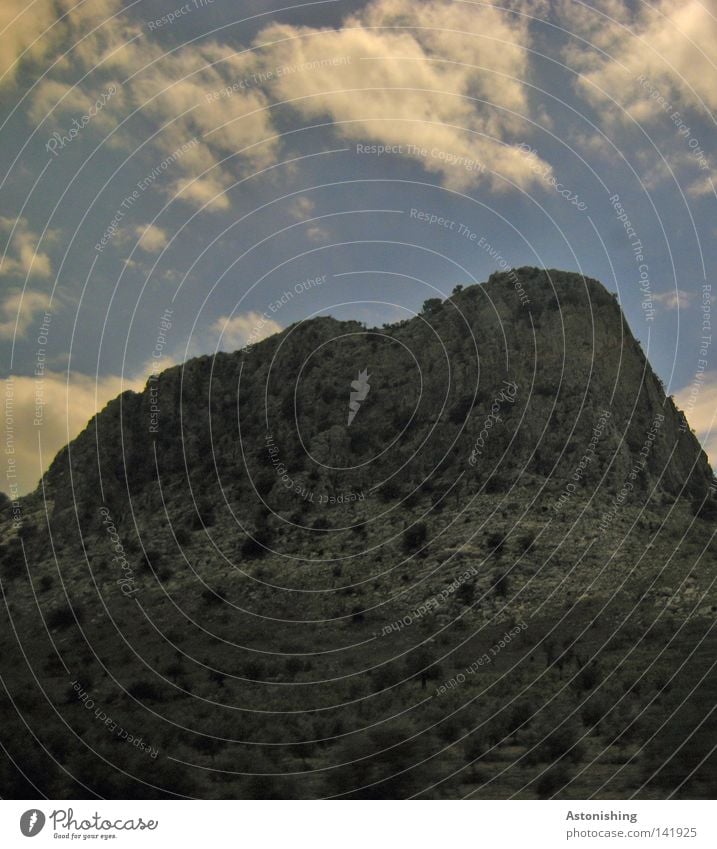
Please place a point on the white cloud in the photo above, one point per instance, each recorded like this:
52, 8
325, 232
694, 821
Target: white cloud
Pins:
397, 72
236, 331
671, 44
22, 257
45, 29
18, 311
651, 63
414, 74
67, 407
699, 403
317, 234
301, 207
152, 238
67, 404
677, 299
21, 26
703, 186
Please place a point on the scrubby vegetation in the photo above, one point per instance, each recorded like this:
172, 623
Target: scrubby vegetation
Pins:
323, 610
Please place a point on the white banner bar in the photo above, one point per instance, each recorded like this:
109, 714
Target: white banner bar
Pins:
358, 825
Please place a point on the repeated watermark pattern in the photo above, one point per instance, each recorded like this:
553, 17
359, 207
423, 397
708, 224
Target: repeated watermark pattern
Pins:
429, 605
89, 704
484, 660
465, 232
298, 488
141, 186
584, 461
704, 345
257, 331
58, 141
544, 172
126, 581
177, 14
165, 325
506, 396
11, 470
39, 370
267, 75
676, 117
638, 253
639, 466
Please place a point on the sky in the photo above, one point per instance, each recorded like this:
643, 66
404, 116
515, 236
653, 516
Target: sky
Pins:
177, 179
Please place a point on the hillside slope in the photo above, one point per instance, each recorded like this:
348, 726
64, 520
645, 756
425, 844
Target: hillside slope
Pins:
495, 580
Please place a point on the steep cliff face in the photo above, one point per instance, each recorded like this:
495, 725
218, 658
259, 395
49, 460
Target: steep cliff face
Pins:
280, 601
560, 344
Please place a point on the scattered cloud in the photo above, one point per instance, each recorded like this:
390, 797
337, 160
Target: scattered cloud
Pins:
301, 207
67, 403
699, 403
18, 311
677, 299
703, 186
22, 256
236, 331
650, 63
670, 44
441, 80
152, 238
317, 234
21, 28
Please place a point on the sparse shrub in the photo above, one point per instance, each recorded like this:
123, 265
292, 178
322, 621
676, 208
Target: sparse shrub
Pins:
182, 536
390, 491
13, 563
144, 691
705, 509
552, 781
501, 584
252, 549
328, 393
526, 542
264, 481
495, 484
495, 542
217, 677
63, 617
152, 559
431, 305
588, 676
414, 536
554, 744
174, 670
438, 501
210, 596
466, 593
292, 666
27, 531
596, 708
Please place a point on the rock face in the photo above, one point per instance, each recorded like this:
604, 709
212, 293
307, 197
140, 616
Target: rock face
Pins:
267, 561
565, 348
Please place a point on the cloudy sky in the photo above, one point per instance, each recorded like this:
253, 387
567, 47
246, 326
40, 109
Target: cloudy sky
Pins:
169, 172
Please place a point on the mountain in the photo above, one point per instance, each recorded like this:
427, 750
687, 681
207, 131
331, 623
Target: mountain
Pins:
466, 554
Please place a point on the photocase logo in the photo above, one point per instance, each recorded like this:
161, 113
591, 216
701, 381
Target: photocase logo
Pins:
360, 389
32, 822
